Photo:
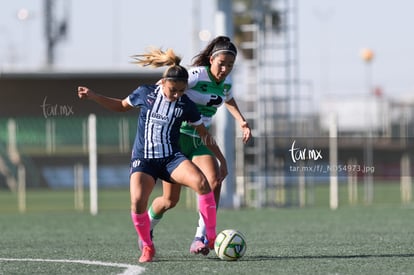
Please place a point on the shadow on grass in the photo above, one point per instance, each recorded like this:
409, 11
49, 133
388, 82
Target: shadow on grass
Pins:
274, 258
361, 256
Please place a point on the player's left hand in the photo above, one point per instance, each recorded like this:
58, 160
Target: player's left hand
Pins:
247, 132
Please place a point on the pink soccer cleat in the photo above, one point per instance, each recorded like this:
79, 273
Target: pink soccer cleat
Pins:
148, 253
199, 246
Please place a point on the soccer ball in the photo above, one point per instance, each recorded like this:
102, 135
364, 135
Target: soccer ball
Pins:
230, 245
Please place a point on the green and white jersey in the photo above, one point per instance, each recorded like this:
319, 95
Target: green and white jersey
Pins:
207, 94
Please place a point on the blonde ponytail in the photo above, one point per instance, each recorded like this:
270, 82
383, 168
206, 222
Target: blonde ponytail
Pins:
158, 58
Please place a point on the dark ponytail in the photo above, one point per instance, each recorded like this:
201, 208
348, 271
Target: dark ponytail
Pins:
221, 44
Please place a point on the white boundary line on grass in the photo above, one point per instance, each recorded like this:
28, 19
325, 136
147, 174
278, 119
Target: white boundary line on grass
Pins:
129, 269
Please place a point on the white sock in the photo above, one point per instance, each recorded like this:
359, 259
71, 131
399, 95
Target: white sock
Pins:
201, 228
154, 220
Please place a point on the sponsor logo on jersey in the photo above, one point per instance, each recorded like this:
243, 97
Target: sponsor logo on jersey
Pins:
159, 117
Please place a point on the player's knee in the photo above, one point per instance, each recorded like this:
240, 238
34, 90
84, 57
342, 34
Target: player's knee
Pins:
215, 184
198, 182
168, 204
203, 187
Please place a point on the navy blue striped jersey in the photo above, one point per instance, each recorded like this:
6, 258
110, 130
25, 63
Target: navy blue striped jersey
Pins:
159, 121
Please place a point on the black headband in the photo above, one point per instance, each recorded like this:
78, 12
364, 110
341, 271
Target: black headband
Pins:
176, 78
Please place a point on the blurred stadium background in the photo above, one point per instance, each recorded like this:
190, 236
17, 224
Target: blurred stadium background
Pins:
300, 143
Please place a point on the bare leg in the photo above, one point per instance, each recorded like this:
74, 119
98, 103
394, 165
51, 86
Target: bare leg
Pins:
169, 199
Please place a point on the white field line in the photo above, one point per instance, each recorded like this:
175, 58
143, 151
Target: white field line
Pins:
129, 269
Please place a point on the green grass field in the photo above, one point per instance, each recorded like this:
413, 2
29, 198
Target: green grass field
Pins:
52, 238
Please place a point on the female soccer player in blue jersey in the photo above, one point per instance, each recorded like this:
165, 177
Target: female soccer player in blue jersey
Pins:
209, 87
156, 152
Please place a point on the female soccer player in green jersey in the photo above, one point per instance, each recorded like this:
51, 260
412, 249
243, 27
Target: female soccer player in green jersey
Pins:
209, 87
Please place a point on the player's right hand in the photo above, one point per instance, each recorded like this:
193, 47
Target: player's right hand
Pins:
84, 92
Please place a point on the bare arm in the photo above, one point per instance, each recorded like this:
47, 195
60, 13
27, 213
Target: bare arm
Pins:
231, 105
211, 144
113, 104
